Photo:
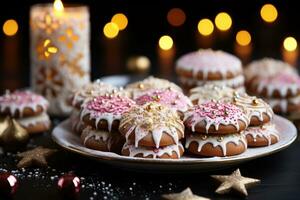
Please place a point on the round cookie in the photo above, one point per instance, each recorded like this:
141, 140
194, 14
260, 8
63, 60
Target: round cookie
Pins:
91, 90
206, 64
138, 88
151, 125
35, 124
282, 85
286, 105
168, 97
102, 140
260, 136
215, 118
208, 92
22, 104
174, 151
257, 110
266, 67
104, 112
214, 145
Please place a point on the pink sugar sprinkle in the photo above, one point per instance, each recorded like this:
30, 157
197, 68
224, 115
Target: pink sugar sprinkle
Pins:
106, 104
21, 97
283, 78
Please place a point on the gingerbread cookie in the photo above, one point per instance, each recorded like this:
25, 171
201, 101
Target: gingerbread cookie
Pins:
138, 88
257, 110
105, 112
216, 118
168, 97
28, 108
264, 135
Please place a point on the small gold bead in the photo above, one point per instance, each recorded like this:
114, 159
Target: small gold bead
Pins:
203, 137
141, 86
220, 139
263, 127
255, 102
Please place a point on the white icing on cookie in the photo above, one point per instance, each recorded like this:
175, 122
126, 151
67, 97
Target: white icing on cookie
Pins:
267, 67
154, 152
19, 100
208, 92
264, 131
151, 118
215, 114
220, 141
283, 103
209, 61
253, 106
42, 118
235, 82
138, 88
97, 135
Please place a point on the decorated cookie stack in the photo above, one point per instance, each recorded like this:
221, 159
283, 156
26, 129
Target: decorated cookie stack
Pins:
215, 129
152, 130
261, 130
101, 116
175, 100
29, 110
208, 66
140, 87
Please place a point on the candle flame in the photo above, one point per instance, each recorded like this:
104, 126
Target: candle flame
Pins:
58, 6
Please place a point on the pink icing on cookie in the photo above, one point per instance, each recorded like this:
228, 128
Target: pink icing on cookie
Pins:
213, 114
168, 97
19, 100
207, 60
107, 107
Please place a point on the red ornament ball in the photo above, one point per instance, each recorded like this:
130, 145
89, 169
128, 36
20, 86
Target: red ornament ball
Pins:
8, 184
69, 185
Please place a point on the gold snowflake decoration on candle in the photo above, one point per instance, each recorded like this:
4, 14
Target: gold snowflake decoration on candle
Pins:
69, 38
49, 81
48, 23
45, 49
73, 65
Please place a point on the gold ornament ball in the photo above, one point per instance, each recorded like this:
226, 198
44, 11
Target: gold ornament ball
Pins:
138, 64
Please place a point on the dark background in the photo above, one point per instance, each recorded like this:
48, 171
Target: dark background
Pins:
147, 22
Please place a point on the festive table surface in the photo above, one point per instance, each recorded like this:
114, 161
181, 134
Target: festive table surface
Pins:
279, 174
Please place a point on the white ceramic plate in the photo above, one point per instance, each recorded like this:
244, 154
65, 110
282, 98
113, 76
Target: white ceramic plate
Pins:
63, 136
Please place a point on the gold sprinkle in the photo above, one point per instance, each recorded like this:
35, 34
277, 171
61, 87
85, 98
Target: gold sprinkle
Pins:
204, 137
220, 139
263, 127
234, 99
255, 102
141, 86
235, 93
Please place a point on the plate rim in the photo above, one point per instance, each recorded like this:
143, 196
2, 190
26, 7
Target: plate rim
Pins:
191, 161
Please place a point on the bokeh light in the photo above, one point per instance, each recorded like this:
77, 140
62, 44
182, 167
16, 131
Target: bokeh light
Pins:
120, 20
223, 21
10, 27
165, 42
176, 17
111, 30
290, 44
205, 27
58, 6
243, 38
268, 13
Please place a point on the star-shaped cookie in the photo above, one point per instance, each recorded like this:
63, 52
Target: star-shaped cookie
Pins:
35, 157
186, 194
234, 181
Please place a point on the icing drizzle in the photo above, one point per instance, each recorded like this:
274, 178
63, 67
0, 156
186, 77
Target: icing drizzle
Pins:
33, 120
107, 107
154, 152
19, 100
220, 141
97, 135
207, 60
253, 106
151, 118
213, 114
283, 103
171, 98
264, 131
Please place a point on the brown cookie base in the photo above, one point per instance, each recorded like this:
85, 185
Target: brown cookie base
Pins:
102, 124
260, 141
38, 127
254, 121
26, 112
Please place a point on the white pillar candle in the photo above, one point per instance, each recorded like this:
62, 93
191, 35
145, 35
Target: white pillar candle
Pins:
60, 52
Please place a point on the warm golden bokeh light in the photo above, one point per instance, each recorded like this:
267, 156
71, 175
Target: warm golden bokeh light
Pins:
243, 38
205, 27
165, 42
58, 6
268, 13
176, 17
10, 27
111, 30
223, 21
290, 44
120, 20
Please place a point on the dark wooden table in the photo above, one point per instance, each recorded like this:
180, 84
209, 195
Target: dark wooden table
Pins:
279, 174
